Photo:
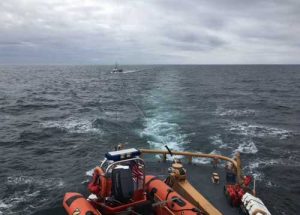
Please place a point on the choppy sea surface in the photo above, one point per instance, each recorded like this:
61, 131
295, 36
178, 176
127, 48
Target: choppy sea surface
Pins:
56, 122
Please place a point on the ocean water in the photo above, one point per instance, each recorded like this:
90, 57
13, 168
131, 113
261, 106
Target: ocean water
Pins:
56, 123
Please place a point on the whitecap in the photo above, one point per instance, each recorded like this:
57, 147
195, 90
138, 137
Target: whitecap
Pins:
248, 147
32, 194
235, 112
164, 133
19, 180
271, 184
258, 176
247, 129
217, 141
60, 183
17, 198
201, 160
89, 172
85, 181
262, 163
205, 160
4, 205
252, 167
73, 125
27, 194
28, 180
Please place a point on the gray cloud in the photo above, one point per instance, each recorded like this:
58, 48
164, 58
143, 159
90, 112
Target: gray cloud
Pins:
154, 31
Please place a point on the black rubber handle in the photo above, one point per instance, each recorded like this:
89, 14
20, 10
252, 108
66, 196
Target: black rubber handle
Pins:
169, 150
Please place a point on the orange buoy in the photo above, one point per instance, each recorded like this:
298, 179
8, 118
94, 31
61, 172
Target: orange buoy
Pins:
168, 200
76, 204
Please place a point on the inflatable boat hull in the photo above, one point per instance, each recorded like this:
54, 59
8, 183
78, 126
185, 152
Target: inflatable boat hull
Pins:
75, 204
172, 202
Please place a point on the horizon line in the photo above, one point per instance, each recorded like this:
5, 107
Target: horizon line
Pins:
160, 64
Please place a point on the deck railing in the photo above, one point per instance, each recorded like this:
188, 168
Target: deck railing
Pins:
236, 162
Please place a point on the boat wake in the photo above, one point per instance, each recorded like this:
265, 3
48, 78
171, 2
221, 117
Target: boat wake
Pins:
130, 71
205, 160
217, 141
135, 70
160, 133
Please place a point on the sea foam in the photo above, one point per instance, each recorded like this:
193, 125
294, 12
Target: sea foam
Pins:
247, 147
246, 129
162, 133
235, 112
73, 125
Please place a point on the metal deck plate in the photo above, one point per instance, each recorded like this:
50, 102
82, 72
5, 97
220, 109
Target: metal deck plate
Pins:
200, 177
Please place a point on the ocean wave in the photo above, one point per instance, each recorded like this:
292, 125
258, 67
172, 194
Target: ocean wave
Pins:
254, 166
216, 140
15, 201
247, 147
162, 133
247, 129
235, 112
270, 184
252, 170
19, 180
27, 189
262, 163
28, 180
205, 160
4, 205
73, 126
89, 172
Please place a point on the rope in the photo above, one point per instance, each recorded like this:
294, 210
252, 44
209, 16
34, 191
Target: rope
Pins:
141, 111
132, 101
136, 105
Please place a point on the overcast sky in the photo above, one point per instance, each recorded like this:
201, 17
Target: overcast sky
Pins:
149, 31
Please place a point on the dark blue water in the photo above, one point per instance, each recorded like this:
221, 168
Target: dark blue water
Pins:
56, 122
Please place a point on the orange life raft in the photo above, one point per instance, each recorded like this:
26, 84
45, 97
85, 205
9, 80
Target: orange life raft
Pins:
75, 204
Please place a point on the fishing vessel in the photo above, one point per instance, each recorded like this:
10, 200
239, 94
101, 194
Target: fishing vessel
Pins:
127, 183
116, 69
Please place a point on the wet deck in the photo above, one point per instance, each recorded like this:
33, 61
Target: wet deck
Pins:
200, 177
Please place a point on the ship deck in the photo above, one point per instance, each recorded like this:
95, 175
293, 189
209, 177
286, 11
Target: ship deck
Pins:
200, 177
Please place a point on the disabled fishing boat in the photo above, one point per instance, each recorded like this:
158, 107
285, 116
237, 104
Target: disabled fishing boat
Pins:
116, 69
126, 183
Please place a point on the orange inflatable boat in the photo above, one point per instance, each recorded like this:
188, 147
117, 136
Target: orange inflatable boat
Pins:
120, 186
76, 204
168, 201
